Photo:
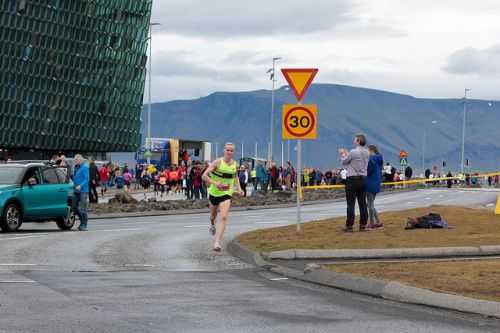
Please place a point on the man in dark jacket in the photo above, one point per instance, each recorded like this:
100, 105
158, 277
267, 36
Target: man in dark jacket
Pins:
408, 173
94, 181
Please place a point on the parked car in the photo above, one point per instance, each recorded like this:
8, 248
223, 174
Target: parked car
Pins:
35, 192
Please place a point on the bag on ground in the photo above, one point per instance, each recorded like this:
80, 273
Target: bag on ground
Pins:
430, 221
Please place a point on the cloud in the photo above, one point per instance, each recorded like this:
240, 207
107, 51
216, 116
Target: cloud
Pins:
232, 19
177, 64
475, 61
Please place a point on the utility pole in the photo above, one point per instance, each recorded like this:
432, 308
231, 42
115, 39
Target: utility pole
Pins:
288, 151
271, 129
434, 122
149, 143
463, 131
282, 154
423, 151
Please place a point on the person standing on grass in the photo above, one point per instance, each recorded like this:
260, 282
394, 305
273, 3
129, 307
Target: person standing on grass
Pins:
221, 177
356, 164
373, 181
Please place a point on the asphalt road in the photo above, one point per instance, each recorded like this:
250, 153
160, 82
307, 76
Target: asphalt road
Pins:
157, 274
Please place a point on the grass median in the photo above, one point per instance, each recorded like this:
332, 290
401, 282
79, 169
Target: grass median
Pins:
468, 227
477, 279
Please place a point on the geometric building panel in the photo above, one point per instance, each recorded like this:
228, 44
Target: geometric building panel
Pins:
72, 73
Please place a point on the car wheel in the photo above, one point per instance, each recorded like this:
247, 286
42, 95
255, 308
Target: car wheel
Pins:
12, 218
67, 222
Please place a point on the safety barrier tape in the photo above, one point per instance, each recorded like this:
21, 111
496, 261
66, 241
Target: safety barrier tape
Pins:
403, 182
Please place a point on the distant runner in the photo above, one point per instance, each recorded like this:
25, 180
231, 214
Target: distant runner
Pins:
221, 177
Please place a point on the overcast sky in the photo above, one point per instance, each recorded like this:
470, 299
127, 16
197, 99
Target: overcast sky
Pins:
425, 48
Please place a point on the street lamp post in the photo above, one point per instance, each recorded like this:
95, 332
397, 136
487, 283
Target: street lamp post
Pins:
271, 130
423, 145
463, 130
149, 146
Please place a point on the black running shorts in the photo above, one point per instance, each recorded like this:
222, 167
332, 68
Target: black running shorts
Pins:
216, 201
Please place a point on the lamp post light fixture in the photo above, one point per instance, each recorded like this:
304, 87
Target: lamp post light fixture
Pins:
463, 131
149, 143
434, 122
272, 72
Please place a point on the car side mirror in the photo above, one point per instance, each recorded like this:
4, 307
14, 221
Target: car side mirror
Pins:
31, 182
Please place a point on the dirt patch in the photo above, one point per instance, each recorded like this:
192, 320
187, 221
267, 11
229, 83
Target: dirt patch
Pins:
478, 279
123, 202
468, 227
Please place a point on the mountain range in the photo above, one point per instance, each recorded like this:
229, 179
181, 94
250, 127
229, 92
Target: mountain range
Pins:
390, 120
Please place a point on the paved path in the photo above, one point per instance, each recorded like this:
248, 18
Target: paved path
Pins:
157, 274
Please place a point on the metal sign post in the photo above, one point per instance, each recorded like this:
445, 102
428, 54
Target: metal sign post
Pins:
299, 121
299, 182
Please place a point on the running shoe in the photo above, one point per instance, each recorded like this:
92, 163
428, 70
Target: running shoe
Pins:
217, 247
212, 229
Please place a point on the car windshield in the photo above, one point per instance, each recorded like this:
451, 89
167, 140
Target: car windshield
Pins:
9, 175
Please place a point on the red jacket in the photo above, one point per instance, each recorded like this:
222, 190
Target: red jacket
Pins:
103, 174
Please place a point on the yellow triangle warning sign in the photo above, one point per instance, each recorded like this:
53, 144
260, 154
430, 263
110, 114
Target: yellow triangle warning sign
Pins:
299, 79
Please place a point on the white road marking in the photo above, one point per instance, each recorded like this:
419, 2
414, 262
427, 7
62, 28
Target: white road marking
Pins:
138, 265
13, 281
274, 222
490, 205
195, 226
111, 230
18, 265
279, 279
22, 237
25, 235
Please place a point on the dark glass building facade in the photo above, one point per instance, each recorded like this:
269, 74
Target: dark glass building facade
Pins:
72, 74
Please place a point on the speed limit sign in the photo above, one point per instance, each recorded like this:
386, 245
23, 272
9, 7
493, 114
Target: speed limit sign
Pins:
299, 122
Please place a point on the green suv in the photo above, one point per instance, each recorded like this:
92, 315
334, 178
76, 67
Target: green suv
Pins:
35, 192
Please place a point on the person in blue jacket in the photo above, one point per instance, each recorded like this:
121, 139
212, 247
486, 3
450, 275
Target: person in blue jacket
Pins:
81, 191
262, 177
373, 181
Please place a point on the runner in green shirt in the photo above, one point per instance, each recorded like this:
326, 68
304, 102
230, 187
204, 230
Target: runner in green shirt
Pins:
221, 177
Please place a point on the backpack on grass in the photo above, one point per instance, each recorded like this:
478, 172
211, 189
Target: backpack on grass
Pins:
430, 221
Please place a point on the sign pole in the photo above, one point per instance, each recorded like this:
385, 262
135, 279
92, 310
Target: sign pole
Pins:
299, 122
299, 182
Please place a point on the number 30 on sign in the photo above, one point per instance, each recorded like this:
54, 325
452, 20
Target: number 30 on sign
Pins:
299, 122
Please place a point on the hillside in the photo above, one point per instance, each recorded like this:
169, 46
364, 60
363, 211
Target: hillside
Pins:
390, 120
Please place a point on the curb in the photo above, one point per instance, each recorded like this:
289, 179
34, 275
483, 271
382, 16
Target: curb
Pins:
402, 253
239, 251
393, 291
